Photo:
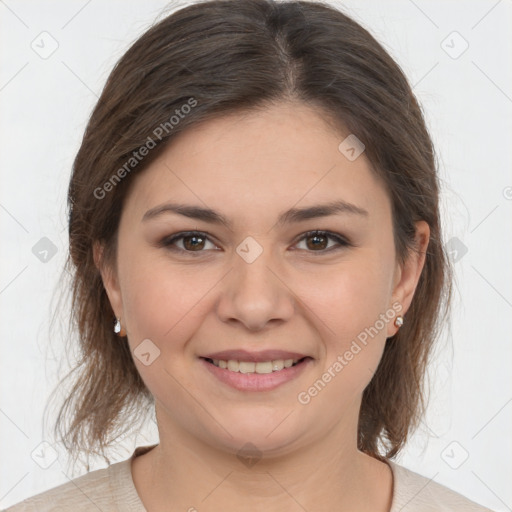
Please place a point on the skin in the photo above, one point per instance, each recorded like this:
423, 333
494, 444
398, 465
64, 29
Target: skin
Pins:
294, 296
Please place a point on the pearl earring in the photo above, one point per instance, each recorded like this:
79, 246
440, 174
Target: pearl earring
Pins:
118, 329
399, 321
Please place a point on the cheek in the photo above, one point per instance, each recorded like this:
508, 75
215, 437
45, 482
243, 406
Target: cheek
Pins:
165, 307
350, 304
163, 303
350, 298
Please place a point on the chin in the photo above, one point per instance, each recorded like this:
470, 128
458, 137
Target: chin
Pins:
271, 435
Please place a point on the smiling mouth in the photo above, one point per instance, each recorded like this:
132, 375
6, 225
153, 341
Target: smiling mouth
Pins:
260, 367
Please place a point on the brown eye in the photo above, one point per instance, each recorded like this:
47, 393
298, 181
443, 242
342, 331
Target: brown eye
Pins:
318, 241
192, 242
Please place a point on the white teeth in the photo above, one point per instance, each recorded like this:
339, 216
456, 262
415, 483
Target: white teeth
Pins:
263, 367
244, 367
252, 367
233, 365
277, 365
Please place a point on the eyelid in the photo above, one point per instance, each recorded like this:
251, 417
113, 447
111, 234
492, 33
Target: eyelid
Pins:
340, 239
168, 241
342, 242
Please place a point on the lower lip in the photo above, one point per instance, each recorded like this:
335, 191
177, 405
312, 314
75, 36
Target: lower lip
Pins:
257, 381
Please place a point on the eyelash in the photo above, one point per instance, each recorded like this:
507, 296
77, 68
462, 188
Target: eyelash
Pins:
169, 241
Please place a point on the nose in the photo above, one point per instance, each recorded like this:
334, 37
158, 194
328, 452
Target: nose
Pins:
254, 294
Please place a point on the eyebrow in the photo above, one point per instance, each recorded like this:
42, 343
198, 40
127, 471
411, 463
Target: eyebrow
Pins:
288, 217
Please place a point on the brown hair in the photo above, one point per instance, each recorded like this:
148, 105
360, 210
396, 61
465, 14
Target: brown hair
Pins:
235, 56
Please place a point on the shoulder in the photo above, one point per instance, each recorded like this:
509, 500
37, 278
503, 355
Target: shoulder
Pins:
415, 492
92, 491
110, 490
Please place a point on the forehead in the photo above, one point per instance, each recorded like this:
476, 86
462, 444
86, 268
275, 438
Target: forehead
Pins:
258, 163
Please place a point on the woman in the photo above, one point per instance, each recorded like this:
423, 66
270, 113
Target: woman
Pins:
257, 252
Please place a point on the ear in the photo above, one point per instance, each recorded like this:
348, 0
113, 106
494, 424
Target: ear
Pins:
110, 280
407, 275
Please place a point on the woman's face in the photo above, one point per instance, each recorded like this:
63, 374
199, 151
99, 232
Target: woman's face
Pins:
260, 282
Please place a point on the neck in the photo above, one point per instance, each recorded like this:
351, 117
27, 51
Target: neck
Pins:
330, 474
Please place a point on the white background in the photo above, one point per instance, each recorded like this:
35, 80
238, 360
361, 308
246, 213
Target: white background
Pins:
45, 104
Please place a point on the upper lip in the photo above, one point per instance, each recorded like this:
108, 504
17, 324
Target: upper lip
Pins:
244, 355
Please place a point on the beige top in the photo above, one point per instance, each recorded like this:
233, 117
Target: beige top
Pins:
112, 490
